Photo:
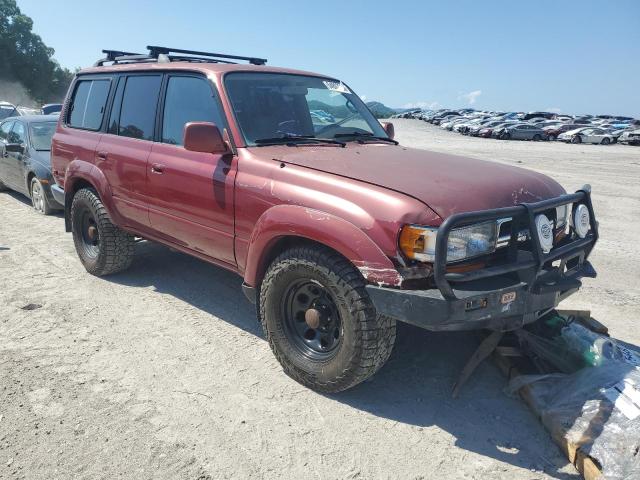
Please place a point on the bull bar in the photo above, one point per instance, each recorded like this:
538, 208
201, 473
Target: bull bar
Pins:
518, 290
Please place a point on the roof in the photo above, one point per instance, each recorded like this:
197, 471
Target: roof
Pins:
205, 68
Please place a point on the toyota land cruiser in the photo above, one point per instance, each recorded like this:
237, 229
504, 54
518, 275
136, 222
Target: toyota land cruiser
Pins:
287, 179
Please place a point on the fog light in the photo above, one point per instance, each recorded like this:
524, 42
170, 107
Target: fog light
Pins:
581, 220
544, 226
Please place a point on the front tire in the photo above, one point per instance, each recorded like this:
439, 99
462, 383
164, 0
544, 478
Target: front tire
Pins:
39, 199
320, 322
576, 139
102, 247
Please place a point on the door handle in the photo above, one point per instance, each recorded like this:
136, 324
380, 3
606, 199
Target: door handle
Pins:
157, 168
102, 155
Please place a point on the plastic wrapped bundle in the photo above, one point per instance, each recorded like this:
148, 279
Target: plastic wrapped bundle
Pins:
597, 407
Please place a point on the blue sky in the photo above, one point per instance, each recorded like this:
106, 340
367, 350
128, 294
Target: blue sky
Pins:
573, 56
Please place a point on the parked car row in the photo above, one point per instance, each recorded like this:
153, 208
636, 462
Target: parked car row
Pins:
10, 110
535, 126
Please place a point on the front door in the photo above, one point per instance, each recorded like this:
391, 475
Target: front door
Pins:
191, 193
14, 161
5, 129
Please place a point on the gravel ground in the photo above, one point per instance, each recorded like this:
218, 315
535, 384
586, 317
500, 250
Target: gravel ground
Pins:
162, 371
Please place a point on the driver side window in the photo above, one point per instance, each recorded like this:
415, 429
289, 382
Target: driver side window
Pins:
5, 128
17, 135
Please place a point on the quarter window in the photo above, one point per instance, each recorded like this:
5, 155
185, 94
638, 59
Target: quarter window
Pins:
188, 99
139, 103
88, 104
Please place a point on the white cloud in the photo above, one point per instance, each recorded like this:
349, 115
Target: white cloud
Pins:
470, 97
423, 105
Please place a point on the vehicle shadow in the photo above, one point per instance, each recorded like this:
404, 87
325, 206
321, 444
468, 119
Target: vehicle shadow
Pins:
414, 388
27, 201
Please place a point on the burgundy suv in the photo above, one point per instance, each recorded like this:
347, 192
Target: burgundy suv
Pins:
287, 179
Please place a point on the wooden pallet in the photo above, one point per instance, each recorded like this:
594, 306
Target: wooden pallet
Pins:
506, 357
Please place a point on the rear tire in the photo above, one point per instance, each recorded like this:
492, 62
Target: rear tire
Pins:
3, 187
39, 199
102, 247
537, 138
605, 141
345, 343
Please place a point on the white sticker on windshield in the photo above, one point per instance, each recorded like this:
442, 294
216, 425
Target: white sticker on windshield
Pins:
336, 86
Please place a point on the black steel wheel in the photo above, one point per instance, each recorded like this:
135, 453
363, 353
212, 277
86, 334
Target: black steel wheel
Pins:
311, 317
102, 247
319, 320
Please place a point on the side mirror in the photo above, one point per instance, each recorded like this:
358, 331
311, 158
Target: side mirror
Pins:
14, 147
204, 137
388, 128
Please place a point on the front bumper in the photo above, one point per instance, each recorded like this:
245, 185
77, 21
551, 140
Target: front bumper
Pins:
520, 289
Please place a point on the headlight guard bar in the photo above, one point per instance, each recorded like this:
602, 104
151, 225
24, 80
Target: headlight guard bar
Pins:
523, 216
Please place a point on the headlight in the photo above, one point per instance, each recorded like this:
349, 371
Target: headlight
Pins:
419, 243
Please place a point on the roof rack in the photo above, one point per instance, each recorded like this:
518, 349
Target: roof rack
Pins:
165, 55
155, 51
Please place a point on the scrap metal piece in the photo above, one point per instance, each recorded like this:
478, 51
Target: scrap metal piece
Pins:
486, 347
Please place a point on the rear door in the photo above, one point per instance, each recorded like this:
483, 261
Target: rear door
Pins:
79, 133
191, 193
123, 152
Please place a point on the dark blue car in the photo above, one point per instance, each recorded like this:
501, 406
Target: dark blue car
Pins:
25, 163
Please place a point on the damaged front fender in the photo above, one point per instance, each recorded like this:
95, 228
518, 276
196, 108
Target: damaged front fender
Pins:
336, 233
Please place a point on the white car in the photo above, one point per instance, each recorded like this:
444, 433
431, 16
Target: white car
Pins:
587, 135
632, 137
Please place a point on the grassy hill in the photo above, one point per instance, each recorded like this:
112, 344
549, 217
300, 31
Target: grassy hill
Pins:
380, 110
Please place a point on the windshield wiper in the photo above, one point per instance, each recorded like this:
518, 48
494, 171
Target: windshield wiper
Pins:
364, 136
294, 140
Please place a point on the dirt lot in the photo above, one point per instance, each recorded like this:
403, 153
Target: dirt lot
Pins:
162, 372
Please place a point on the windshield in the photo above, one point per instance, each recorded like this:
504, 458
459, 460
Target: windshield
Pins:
273, 105
41, 134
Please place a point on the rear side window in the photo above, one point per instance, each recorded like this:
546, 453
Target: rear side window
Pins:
188, 99
88, 104
138, 109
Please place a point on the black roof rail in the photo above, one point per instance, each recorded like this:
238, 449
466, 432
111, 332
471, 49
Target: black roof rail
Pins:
155, 51
111, 56
165, 55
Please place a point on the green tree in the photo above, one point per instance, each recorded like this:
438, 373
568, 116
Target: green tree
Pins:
26, 59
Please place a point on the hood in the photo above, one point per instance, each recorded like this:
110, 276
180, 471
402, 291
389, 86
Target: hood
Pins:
448, 184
